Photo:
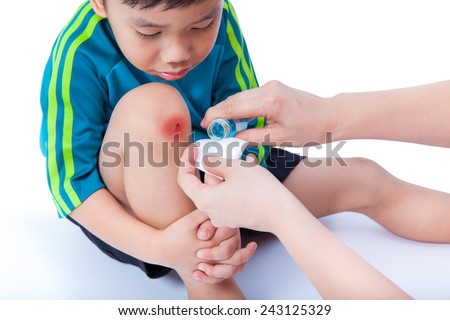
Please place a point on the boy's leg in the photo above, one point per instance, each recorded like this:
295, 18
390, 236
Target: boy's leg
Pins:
149, 129
227, 290
363, 186
143, 130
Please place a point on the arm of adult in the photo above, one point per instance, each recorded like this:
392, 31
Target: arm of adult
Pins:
334, 269
417, 114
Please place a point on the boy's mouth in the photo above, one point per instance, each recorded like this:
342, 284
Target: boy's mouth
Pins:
173, 75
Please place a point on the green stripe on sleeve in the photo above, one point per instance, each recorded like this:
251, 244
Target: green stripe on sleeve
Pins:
52, 116
52, 163
68, 109
237, 49
246, 66
248, 69
58, 40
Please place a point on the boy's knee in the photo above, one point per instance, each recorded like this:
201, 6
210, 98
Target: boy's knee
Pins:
155, 92
155, 106
366, 167
371, 181
367, 172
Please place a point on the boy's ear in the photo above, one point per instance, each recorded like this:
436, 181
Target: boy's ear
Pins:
99, 7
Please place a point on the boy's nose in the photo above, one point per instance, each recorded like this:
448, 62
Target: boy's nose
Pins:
175, 52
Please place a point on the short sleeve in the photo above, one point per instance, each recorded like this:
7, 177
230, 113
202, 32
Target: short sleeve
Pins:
236, 72
73, 102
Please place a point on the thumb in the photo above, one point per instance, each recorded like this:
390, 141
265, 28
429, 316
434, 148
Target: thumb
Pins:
197, 218
245, 104
206, 231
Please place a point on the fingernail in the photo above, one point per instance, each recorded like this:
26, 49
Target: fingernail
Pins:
201, 267
197, 277
203, 234
201, 254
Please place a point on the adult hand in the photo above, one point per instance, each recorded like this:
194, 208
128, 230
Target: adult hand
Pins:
297, 118
294, 117
235, 201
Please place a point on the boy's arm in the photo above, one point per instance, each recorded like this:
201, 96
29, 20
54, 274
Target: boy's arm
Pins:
175, 247
103, 216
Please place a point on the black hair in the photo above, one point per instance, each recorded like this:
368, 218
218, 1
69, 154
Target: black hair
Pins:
169, 4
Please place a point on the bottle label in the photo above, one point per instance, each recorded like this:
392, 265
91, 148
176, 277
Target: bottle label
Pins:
241, 124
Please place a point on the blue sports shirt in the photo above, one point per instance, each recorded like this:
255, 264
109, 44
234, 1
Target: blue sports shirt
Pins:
85, 77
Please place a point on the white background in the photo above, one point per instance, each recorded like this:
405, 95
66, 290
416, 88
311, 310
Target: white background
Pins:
321, 46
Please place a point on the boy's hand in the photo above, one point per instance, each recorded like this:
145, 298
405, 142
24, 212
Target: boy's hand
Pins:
224, 260
180, 245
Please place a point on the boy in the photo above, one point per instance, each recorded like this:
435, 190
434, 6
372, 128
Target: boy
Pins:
106, 97
110, 115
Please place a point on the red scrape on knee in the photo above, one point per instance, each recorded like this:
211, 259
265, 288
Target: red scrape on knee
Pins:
174, 125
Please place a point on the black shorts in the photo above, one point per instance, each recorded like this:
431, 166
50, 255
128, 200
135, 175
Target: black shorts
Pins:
279, 162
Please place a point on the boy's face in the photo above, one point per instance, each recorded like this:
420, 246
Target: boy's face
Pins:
164, 43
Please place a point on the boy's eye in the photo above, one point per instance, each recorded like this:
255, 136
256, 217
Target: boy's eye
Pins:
148, 36
204, 28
